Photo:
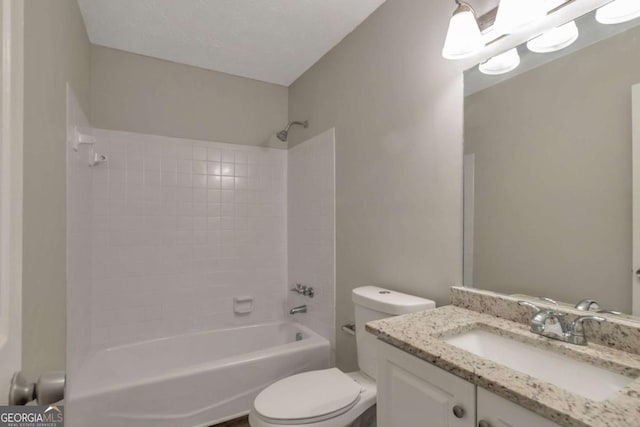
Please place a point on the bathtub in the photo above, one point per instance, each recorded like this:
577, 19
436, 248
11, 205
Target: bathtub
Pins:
191, 380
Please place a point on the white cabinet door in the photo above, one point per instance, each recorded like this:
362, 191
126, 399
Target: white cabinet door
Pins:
494, 411
414, 393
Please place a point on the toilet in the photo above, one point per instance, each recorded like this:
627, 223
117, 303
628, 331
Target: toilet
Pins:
330, 397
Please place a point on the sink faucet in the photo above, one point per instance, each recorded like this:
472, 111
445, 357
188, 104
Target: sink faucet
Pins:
587, 304
552, 301
575, 331
299, 309
551, 324
548, 323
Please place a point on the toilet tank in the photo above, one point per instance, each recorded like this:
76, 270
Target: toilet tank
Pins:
373, 303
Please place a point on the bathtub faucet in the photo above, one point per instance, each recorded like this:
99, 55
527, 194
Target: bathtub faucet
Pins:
299, 309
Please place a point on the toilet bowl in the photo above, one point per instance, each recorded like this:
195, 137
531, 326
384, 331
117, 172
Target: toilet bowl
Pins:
330, 397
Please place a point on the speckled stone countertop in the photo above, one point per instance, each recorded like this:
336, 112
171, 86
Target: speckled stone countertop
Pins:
618, 333
421, 334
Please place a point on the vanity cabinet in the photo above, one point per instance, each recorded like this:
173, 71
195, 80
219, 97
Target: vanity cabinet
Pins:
412, 392
494, 411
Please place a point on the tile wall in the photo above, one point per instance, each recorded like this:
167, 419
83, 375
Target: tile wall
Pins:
311, 230
180, 227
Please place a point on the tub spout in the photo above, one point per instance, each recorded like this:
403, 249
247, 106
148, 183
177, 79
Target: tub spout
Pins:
299, 309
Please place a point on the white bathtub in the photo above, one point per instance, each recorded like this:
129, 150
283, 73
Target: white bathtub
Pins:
190, 380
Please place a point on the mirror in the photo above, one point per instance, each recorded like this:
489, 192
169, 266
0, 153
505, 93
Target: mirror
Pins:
548, 172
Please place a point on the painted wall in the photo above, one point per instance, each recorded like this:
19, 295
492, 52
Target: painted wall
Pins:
79, 233
11, 129
396, 106
395, 103
553, 184
57, 50
136, 93
311, 231
180, 227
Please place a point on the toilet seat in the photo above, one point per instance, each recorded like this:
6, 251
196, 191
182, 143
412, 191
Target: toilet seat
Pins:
308, 397
365, 402
308, 421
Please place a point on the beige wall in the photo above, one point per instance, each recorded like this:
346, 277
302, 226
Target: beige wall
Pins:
141, 94
553, 177
397, 109
395, 103
56, 51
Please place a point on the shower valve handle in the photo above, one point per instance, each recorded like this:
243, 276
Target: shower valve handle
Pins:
301, 289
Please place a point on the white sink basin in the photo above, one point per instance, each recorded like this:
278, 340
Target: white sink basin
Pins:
572, 375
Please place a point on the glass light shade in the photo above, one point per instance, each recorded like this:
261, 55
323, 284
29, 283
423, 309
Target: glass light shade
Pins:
618, 11
555, 39
501, 64
464, 37
515, 14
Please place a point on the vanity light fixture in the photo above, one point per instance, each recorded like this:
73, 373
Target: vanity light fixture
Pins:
463, 37
501, 64
618, 11
514, 14
555, 39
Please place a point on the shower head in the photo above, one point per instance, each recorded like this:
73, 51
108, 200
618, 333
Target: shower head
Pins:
284, 134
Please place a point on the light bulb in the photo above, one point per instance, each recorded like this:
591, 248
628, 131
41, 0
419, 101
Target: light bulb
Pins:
463, 37
618, 11
555, 39
515, 14
501, 64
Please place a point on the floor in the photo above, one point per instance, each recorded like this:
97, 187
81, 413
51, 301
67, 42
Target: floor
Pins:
238, 422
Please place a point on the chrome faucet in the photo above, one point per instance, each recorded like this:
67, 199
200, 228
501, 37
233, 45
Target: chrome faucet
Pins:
299, 309
575, 331
548, 323
305, 290
551, 324
587, 304
552, 301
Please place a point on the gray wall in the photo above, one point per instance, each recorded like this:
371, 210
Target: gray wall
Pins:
129, 92
553, 177
57, 50
397, 109
141, 94
395, 103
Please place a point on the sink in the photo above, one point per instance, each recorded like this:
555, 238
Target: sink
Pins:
577, 377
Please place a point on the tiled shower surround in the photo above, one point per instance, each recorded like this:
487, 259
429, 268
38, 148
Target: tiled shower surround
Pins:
180, 228
311, 230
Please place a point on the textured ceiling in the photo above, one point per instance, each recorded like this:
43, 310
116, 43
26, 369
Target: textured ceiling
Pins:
270, 40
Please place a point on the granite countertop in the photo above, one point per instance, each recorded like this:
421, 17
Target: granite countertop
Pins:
421, 334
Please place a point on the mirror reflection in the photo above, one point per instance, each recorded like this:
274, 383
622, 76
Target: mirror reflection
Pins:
548, 172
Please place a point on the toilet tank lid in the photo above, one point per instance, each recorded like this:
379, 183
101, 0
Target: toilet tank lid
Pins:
390, 302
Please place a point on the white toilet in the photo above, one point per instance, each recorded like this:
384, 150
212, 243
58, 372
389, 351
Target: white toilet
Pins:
331, 398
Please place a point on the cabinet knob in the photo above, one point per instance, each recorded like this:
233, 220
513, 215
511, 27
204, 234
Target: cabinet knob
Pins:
458, 411
484, 423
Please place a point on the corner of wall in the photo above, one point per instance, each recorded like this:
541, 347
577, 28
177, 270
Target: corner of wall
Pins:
55, 39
